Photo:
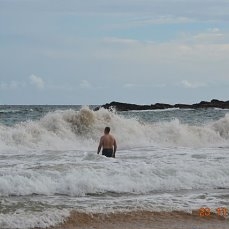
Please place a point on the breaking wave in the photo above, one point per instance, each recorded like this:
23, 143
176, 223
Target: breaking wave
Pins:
81, 129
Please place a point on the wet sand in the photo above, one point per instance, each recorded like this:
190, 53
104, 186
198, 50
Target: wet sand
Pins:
144, 220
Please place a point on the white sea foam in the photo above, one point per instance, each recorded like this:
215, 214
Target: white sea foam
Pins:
82, 129
24, 220
221, 127
92, 174
9, 111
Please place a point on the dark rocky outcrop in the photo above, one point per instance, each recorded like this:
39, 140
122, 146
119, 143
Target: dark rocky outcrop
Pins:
128, 106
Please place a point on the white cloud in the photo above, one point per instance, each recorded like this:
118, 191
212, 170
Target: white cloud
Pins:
155, 85
37, 81
188, 84
143, 21
172, 52
11, 85
207, 36
211, 36
214, 30
116, 40
85, 84
158, 20
207, 10
143, 64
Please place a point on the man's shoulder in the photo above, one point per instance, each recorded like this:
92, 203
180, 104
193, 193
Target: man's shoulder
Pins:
111, 136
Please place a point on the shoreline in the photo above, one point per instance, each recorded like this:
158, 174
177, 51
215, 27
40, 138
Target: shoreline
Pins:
144, 220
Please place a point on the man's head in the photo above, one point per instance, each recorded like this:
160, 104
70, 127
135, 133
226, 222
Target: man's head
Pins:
107, 130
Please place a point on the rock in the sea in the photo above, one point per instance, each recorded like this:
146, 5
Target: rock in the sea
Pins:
214, 103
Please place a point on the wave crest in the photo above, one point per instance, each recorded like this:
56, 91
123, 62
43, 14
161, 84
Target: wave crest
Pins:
82, 129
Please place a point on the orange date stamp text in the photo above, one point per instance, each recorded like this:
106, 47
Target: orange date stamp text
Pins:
205, 211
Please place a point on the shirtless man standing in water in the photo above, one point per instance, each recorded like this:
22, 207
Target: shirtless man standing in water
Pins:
108, 142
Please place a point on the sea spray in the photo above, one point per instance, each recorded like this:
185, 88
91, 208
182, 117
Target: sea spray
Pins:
81, 130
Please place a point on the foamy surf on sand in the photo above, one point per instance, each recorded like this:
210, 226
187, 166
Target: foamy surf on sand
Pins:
169, 164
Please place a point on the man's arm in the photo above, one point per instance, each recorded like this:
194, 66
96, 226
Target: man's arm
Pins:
100, 145
115, 148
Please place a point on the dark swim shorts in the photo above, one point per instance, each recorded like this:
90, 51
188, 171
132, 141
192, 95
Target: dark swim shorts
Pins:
107, 152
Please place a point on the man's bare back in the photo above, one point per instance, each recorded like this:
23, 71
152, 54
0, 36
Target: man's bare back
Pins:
108, 143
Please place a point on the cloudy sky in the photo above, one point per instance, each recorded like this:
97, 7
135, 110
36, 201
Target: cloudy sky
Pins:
98, 51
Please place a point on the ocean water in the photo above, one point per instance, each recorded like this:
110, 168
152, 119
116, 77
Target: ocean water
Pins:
167, 160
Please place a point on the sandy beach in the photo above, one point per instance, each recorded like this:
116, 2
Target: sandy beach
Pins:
144, 220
